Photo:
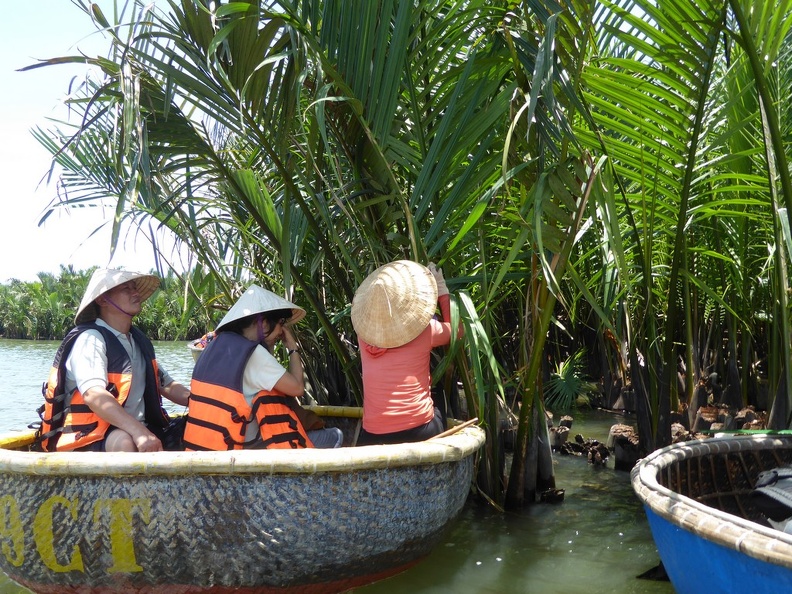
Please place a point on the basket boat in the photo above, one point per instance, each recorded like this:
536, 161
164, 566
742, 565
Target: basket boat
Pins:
264, 521
709, 531
197, 346
195, 350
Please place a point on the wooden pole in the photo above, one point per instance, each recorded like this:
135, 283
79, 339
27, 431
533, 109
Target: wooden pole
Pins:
453, 430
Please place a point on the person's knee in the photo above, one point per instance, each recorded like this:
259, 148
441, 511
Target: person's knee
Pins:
339, 436
119, 441
327, 438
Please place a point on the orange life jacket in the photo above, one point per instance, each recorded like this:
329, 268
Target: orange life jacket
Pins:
219, 414
68, 424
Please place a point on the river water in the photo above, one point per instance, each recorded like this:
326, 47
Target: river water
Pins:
596, 541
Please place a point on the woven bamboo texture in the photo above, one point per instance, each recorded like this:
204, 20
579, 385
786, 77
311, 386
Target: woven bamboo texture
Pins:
704, 486
257, 521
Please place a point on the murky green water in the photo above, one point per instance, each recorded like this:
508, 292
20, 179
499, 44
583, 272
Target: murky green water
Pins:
596, 541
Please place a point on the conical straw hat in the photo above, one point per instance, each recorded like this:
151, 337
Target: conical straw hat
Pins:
105, 279
394, 304
257, 300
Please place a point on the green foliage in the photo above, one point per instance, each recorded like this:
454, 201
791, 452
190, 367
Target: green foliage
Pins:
613, 170
568, 387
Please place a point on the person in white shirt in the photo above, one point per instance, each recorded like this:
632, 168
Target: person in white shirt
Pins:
112, 385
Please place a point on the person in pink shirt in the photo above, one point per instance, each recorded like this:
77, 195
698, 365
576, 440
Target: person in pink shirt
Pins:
393, 314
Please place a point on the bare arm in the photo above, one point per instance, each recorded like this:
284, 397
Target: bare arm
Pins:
176, 393
291, 382
107, 408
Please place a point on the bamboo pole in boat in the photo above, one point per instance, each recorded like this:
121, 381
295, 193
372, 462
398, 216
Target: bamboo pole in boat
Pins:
454, 429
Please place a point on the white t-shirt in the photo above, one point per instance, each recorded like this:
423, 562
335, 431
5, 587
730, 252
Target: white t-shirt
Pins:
86, 367
262, 372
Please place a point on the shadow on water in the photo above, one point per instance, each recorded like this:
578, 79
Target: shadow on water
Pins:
597, 540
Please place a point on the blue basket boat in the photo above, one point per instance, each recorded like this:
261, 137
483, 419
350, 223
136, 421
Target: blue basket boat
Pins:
710, 531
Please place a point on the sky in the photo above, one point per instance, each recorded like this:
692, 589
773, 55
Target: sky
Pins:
33, 31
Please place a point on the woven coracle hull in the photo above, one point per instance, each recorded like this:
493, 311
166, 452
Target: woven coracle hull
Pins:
248, 521
709, 532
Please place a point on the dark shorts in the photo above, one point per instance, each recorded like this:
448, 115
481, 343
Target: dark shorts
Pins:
420, 433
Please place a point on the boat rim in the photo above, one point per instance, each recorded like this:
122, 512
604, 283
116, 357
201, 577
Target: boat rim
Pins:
756, 540
450, 448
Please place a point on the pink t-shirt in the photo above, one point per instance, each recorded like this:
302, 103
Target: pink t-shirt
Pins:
397, 382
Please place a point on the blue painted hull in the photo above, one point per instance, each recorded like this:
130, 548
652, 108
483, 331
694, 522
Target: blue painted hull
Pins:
710, 533
696, 565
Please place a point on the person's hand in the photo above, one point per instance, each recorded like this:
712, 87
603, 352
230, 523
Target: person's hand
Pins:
147, 442
288, 339
442, 289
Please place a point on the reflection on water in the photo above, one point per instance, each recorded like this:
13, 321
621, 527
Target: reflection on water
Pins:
596, 541
24, 366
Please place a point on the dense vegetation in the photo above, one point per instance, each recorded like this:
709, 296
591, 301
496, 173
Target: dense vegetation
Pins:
604, 177
44, 309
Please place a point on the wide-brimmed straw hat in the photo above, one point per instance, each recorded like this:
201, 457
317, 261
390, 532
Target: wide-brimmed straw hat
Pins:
257, 300
394, 304
105, 279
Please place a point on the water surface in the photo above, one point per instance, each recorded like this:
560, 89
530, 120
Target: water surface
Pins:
596, 541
